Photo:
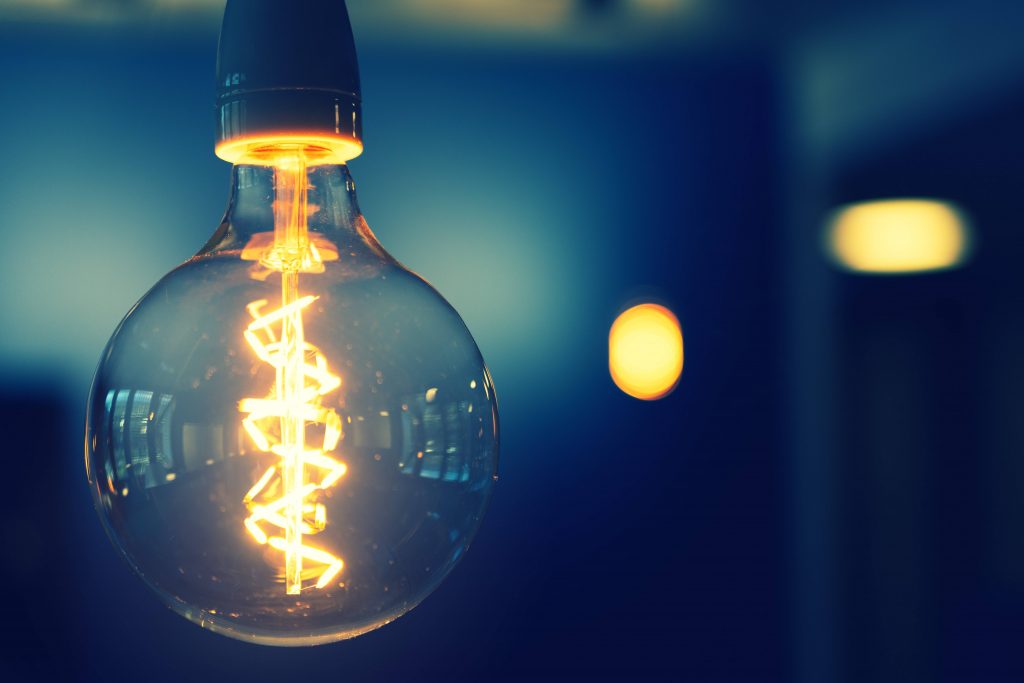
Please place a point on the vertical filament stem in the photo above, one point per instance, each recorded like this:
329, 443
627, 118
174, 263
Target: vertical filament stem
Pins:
291, 380
291, 235
290, 238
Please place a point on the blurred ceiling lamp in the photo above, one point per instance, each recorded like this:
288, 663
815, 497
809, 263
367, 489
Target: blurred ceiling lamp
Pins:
898, 236
645, 351
503, 14
662, 6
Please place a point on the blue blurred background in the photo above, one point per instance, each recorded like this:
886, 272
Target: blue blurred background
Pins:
834, 492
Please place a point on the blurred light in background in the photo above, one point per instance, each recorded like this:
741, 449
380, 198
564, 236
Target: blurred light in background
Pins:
645, 351
109, 11
631, 25
500, 14
898, 236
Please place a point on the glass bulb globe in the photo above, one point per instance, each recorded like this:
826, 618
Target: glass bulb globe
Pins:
292, 438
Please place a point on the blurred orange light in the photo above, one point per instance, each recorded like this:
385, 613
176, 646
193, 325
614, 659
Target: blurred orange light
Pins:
898, 236
645, 351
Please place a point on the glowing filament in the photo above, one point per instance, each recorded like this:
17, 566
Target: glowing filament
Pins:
281, 500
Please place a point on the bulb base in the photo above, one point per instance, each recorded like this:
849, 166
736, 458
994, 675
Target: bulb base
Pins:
327, 123
287, 74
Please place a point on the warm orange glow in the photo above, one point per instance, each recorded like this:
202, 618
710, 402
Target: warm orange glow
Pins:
898, 236
284, 496
261, 247
264, 150
645, 351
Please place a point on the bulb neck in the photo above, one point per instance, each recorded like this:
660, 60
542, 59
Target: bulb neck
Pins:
290, 211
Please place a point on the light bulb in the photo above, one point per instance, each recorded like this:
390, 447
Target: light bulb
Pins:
291, 438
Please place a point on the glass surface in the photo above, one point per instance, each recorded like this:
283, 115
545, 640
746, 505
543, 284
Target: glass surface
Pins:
197, 460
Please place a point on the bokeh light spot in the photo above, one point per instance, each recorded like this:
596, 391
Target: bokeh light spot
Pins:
898, 236
645, 351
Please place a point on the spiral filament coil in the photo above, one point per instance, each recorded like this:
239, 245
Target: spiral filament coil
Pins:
282, 498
